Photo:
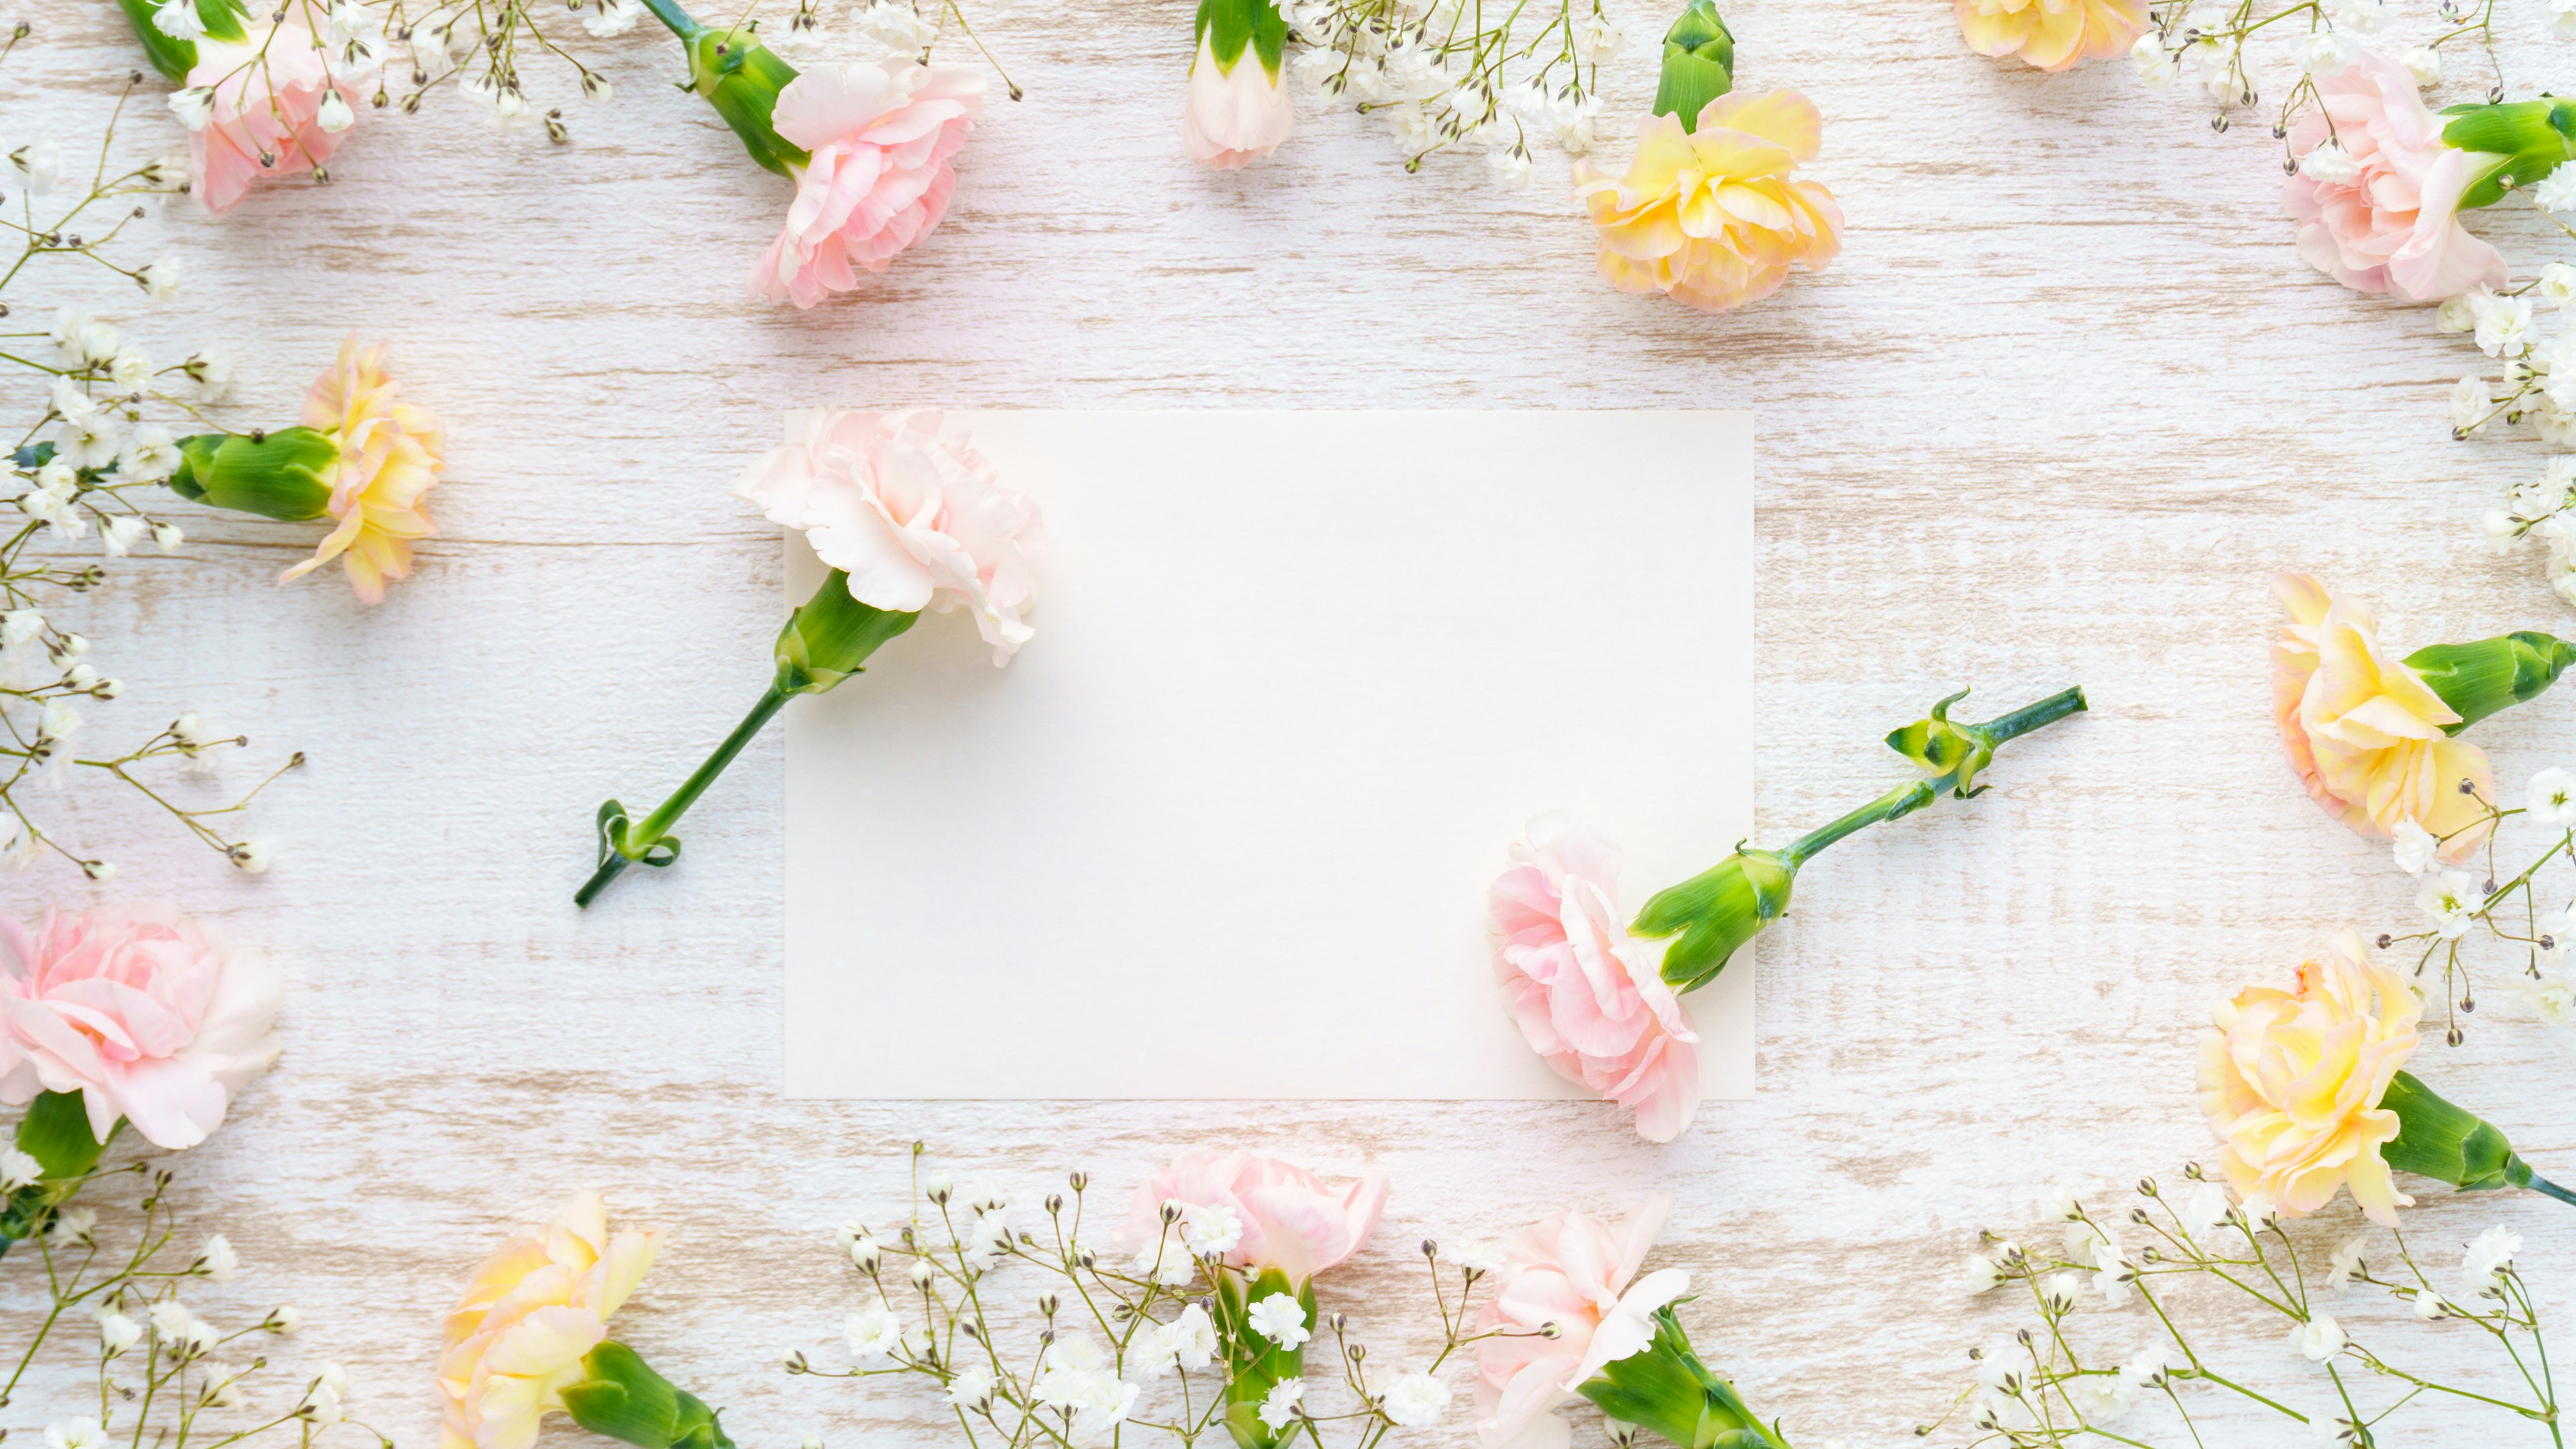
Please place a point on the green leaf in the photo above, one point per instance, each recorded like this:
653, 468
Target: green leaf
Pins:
56, 1133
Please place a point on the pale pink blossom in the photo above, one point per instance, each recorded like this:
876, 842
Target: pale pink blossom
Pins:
878, 180
254, 108
1585, 993
2392, 225
1290, 1220
1575, 1271
142, 1011
904, 505
1233, 116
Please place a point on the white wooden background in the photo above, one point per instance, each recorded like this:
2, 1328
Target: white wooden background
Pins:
2067, 400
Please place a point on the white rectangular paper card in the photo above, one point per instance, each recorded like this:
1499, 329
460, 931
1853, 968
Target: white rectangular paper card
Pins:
1225, 827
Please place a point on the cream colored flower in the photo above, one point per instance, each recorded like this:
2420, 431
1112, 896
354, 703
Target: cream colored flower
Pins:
2051, 34
2363, 729
390, 454
2291, 1081
1711, 217
517, 1338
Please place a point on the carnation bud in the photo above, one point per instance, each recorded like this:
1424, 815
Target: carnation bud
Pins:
827, 641
2449, 1143
282, 475
1699, 64
2477, 680
623, 1398
741, 78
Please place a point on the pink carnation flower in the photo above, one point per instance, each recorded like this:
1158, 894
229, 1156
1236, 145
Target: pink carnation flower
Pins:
1572, 1270
262, 107
2379, 213
138, 1009
1586, 994
1288, 1219
904, 505
880, 137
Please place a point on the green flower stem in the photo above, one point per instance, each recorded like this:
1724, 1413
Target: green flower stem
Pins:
670, 14
1903, 800
639, 839
2031, 716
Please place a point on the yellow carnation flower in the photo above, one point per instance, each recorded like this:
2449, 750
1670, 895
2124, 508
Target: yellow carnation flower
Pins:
2051, 34
2291, 1081
516, 1339
1710, 216
390, 454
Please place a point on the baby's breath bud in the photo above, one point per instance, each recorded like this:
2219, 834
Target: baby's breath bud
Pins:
1550, 1330
1054, 1203
1430, 1248
921, 1274
795, 1362
1048, 1303
1172, 1210
1080, 1180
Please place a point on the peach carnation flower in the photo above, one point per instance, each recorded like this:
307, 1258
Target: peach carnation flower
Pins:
1234, 116
1286, 1217
534, 1310
142, 1011
1710, 217
2291, 1082
1585, 994
904, 505
2384, 217
1572, 1270
2051, 34
2364, 730
390, 454
879, 136
261, 106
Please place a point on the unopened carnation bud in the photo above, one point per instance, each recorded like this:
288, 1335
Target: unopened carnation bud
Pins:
733, 72
1715, 913
1699, 64
283, 475
826, 641
2477, 680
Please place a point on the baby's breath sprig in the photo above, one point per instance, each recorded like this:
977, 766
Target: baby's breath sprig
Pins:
2219, 44
2059, 1383
167, 1377
1461, 74
1173, 1339
91, 461
2529, 912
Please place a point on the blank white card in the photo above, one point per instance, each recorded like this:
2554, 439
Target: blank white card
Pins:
1224, 828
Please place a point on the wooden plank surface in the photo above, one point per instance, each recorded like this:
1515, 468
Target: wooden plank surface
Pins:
2066, 401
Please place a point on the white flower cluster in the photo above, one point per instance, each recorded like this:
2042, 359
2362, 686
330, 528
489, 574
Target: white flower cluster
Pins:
1441, 78
2050, 1387
1117, 1353
158, 1364
2207, 40
2541, 925
93, 455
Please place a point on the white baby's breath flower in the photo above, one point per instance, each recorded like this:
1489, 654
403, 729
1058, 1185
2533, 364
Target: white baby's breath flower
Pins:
2551, 799
2556, 191
1414, 1399
2157, 66
2459, 311
1279, 1318
18, 1171
2330, 163
2450, 904
2504, 325
2425, 64
2430, 1305
2472, 405
2413, 847
116, 1332
1979, 1273
971, 1390
897, 26
216, 1261
75, 1433
612, 17
2324, 53
2348, 1263
873, 1333
38, 166
2488, 1257
2320, 1338
1280, 1404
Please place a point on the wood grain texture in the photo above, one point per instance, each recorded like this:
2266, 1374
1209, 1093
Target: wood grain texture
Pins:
2067, 399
